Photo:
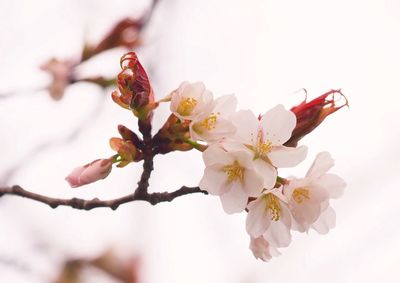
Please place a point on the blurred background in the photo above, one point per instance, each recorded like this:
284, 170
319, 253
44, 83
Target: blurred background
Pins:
264, 52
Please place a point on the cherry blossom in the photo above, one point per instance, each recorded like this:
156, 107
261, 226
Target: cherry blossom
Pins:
308, 197
190, 100
230, 175
215, 124
269, 217
265, 137
89, 173
262, 249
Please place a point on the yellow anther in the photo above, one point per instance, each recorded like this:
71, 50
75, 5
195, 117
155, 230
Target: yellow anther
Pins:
210, 122
186, 106
300, 194
234, 172
273, 206
264, 147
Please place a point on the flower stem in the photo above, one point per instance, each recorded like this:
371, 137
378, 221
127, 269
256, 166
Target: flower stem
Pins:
196, 145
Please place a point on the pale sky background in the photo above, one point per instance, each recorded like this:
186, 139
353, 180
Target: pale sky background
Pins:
263, 51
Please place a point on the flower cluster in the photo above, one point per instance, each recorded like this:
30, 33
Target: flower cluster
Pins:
242, 153
242, 160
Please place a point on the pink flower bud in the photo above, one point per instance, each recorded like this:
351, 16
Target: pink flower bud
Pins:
89, 173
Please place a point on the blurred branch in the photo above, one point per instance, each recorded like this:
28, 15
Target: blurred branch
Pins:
87, 121
126, 33
123, 270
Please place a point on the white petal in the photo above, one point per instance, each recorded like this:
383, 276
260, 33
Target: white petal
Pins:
215, 154
261, 249
213, 181
283, 157
267, 172
225, 105
253, 183
244, 157
309, 210
278, 233
322, 163
278, 124
246, 124
235, 199
334, 185
326, 221
257, 220
193, 89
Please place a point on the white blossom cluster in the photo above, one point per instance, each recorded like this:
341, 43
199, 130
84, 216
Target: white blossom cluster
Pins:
242, 159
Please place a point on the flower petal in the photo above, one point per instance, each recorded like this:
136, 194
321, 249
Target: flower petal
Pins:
225, 105
262, 249
278, 233
333, 184
257, 221
267, 172
322, 163
215, 154
235, 199
213, 180
246, 124
326, 221
283, 157
278, 124
253, 183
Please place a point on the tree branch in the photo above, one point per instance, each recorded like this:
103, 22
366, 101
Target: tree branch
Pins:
153, 198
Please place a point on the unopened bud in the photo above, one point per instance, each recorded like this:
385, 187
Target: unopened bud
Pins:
310, 114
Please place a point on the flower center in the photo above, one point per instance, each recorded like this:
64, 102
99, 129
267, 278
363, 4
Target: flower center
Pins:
207, 124
234, 172
186, 106
301, 194
273, 206
262, 146
210, 122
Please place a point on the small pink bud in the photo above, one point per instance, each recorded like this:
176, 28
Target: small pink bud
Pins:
89, 173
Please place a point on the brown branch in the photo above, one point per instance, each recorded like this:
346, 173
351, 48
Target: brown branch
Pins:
153, 198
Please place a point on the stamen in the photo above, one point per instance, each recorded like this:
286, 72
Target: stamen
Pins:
234, 171
262, 146
273, 206
186, 106
210, 122
301, 194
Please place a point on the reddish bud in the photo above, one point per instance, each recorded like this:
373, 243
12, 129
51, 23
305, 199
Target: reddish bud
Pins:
126, 150
310, 114
172, 136
129, 135
135, 91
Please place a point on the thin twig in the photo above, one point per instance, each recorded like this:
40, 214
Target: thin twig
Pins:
153, 198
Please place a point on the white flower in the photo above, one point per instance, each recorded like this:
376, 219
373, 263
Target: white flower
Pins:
265, 137
308, 198
215, 124
230, 175
262, 249
190, 100
270, 218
